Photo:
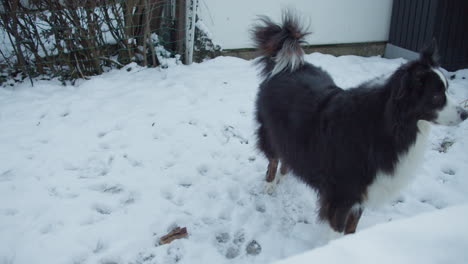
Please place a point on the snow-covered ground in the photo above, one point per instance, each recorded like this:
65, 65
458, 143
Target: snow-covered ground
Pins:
97, 173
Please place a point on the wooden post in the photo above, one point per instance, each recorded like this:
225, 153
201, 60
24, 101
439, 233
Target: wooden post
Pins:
190, 16
180, 16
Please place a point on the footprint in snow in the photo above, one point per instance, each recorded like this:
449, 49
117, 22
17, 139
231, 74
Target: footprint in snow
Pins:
185, 185
233, 247
449, 171
10, 212
253, 248
129, 199
62, 193
435, 204
223, 237
100, 247
102, 209
156, 135
171, 198
102, 134
6, 175
193, 122
231, 132
232, 252
145, 258
203, 169
133, 162
239, 238
445, 145
174, 254
169, 165
243, 113
109, 261
260, 207
50, 227
230, 246
108, 188
446, 174
93, 168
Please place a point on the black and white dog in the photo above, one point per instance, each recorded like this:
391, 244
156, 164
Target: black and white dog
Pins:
355, 147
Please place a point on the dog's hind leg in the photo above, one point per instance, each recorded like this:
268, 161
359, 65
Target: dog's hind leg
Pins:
341, 211
271, 171
352, 220
271, 175
266, 147
284, 169
337, 218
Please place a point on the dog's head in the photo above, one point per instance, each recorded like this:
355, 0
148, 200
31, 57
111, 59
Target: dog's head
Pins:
422, 91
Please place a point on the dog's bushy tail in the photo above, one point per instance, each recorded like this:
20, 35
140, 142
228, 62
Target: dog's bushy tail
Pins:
279, 45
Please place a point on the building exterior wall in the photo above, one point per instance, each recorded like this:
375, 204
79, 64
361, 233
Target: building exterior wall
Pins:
331, 21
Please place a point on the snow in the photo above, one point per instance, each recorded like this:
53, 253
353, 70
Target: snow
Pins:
98, 172
435, 237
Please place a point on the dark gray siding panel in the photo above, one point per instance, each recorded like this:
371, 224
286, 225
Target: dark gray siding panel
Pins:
416, 22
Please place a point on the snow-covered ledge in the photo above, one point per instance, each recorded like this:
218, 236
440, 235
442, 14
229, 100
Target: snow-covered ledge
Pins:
435, 237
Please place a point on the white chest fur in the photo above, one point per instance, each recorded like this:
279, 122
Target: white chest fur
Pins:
386, 186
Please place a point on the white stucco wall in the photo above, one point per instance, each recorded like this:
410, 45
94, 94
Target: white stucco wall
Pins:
331, 21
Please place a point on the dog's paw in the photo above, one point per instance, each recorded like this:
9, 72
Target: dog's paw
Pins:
270, 187
278, 179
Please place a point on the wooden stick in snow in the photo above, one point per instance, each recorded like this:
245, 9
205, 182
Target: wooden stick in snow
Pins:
176, 233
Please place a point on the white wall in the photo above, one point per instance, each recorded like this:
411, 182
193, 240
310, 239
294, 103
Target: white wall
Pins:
331, 21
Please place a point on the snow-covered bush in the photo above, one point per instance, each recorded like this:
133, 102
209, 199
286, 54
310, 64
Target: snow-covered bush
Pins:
75, 39
204, 47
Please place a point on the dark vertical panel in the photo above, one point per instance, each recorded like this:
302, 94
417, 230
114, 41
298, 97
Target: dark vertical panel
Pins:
461, 27
458, 46
464, 34
405, 24
444, 35
452, 44
464, 37
457, 40
438, 27
431, 18
399, 22
411, 25
417, 24
423, 23
393, 21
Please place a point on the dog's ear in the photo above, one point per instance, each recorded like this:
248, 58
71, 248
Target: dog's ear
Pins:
418, 75
429, 54
412, 81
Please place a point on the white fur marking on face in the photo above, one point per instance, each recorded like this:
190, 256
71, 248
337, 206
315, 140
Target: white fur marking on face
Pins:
386, 186
448, 115
441, 76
